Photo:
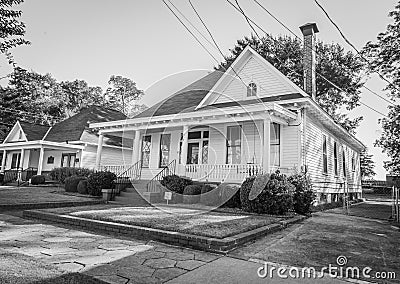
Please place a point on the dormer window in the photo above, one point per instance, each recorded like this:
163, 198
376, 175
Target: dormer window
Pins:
252, 90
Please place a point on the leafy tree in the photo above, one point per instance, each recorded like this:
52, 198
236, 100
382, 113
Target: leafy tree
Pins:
78, 94
123, 94
384, 57
367, 165
342, 68
11, 29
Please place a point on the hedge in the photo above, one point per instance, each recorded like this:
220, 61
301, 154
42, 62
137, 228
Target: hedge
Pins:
71, 183
100, 180
60, 174
38, 179
175, 183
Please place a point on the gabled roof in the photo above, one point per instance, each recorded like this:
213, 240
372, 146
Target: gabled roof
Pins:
185, 100
72, 128
33, 131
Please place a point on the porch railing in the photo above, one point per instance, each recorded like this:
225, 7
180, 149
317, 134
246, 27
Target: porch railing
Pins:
133, 172
222, 172
116, 169
228, 172
168, 170
19, 174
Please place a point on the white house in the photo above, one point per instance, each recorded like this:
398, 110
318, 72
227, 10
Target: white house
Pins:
249, 119
69, 143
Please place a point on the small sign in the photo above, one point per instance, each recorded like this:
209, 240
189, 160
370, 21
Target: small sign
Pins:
168, 195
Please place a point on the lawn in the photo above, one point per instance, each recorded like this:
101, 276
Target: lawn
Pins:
183, 220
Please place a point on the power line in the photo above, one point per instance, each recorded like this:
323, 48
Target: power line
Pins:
352, 45
293, 33
323, 77
190, 23
198, 41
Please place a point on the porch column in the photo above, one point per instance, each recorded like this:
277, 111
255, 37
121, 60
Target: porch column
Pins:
136, 147
3, 161
40, 163
21, 161
185, 144
266, 146
99, 151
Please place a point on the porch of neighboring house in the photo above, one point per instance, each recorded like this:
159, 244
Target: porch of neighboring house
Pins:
21, 160
226, 148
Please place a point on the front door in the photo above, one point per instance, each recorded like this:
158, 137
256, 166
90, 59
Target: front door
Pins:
165, 142
146, 146
15, 160
68, 160
193, 153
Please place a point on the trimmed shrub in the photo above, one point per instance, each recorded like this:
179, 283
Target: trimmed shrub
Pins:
38, 179
230, 195
100, 180
273, 198
210, 195
303, 196
82, 186
60, 174
175, 183
191, 194
71, 183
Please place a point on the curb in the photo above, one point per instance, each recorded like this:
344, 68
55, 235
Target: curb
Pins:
45, 205
223, 245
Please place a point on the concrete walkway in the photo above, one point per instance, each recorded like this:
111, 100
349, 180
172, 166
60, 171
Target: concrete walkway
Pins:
107, 259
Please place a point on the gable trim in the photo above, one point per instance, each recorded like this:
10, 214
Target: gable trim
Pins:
231, 72
11, 131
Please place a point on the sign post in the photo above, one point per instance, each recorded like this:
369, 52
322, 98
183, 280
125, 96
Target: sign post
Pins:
168, 196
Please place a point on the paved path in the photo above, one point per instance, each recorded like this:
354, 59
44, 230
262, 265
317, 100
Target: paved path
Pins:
59, 251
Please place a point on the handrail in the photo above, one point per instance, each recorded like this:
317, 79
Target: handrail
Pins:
18, 174
168, 170
134, 171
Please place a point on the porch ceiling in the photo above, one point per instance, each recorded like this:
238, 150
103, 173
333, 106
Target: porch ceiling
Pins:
271, 111
39, 144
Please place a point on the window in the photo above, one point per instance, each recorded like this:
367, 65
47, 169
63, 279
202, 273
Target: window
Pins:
15, 160
344, 163
233, 144
146, 146
50, 160
335, 158
353, 162
194, 135
204, 155
251, 90
68, 160
165, 142
324, 155
197, 147
275, 144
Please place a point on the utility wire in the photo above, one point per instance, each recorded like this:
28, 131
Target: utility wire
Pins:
299, 38
198, 41
323, 77
352, 45
190, 23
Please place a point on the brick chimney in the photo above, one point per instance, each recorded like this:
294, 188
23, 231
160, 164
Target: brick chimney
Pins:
309, 30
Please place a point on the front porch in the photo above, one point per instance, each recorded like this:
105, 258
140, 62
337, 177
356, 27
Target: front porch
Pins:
23, 159
216, 147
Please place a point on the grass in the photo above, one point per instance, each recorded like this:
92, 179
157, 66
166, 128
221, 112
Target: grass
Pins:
183, 220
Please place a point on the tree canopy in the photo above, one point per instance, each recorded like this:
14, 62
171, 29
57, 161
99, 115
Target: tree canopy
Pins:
384, 57
11, 29
342, 68
367, 165
41, 99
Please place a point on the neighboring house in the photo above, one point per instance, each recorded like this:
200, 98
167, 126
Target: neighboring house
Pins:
249, 119
69, 143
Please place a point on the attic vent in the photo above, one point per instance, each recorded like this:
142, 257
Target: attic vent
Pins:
252, 89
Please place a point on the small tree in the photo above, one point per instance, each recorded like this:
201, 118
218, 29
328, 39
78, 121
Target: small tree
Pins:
367, 165
123, 94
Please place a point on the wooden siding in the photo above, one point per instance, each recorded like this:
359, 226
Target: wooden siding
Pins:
268, 83
109, 156
328, 182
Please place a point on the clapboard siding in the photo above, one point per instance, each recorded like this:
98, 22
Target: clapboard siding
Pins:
109, 156
329, 182
267, 81
290, 146
252, 142
217, 151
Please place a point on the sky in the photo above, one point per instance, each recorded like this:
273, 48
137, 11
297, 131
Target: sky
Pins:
141, 40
